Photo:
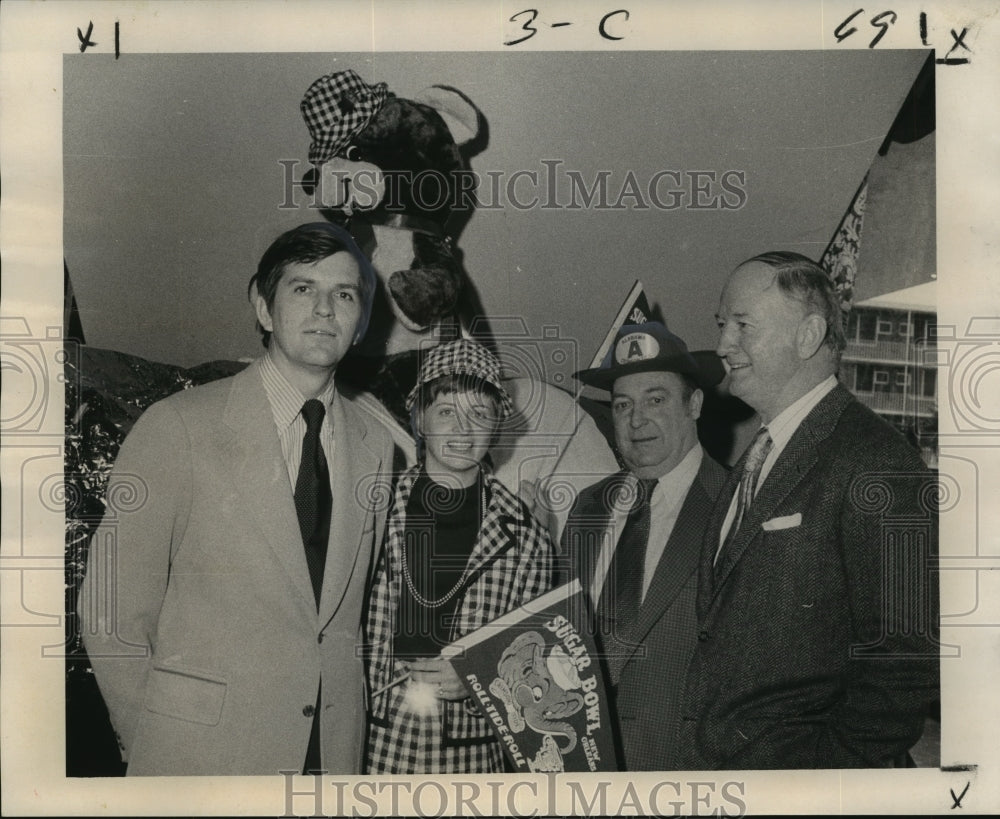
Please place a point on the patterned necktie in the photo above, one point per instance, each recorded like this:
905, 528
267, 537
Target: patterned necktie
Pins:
622, 590
313, 498
759, 449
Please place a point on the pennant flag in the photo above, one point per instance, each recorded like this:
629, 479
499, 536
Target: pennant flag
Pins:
634, 310
840, 259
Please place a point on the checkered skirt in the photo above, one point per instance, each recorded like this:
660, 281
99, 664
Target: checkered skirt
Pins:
510, 564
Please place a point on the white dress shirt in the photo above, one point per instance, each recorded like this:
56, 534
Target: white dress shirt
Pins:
286, 406
665, 506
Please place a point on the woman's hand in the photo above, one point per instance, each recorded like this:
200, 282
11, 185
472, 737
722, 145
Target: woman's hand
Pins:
441, 676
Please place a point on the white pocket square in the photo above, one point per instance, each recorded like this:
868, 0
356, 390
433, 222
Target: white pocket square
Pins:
787, 522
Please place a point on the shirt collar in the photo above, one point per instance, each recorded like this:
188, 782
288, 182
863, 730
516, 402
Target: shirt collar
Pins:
286, 400
681, 475
783, 427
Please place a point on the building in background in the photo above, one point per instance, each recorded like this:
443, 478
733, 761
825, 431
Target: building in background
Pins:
890, 363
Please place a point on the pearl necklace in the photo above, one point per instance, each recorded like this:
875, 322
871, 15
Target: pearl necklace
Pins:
434, 604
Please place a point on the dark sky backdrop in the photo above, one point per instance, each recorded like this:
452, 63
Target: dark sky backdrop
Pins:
172, 181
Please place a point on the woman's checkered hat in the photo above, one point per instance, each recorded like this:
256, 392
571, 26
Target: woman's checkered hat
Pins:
335, 108
462, 357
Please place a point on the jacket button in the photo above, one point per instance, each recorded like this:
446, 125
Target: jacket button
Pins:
308, 710
702, 636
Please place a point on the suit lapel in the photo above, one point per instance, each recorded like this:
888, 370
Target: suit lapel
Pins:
710, 541
795, 461
355, 468
593, 520
679, 558
261, 476
677, 562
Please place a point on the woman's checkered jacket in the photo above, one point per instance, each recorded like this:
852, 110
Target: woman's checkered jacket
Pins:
510, 564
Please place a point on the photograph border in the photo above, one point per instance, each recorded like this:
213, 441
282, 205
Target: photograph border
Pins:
33, 39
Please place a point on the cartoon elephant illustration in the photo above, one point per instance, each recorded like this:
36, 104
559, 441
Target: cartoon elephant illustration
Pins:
531, 691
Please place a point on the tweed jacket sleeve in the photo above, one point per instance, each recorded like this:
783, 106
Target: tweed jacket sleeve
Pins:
889, 539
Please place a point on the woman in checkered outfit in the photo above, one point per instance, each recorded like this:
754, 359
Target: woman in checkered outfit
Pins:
461, 550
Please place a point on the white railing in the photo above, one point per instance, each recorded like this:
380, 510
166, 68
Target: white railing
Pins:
920, 353
899, 403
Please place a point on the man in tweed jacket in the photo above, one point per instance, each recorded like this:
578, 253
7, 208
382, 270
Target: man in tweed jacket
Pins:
817, 643
655, 402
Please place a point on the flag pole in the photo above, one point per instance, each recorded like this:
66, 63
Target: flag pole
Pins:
635, 308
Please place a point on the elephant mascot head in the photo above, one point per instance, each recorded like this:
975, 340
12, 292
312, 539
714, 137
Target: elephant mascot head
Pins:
531, 695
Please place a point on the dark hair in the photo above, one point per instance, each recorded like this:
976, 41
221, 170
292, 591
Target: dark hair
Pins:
308, 244
447, 384
802, 279
428, 393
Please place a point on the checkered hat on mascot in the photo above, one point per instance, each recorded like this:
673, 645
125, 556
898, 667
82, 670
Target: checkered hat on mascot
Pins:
462, 357
336, 107
651, 347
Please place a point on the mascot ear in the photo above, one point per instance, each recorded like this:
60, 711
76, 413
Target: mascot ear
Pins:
456, 109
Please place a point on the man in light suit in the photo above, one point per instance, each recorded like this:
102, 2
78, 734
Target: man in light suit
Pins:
222, 603
817, 607
638, 561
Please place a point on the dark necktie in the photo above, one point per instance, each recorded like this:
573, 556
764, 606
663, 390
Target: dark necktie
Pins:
622, 590
759, 449
313, 499
313, 503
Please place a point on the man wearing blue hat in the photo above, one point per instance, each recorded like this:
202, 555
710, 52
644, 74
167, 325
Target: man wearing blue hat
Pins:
633, 538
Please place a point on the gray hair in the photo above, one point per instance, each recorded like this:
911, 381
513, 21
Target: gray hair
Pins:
805, 281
